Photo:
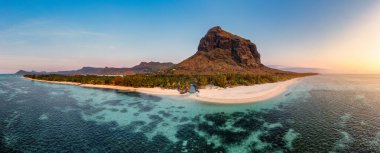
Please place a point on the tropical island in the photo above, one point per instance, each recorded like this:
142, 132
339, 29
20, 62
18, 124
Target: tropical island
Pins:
226, 68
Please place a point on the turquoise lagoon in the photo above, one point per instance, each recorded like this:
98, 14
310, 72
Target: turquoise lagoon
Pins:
324, 113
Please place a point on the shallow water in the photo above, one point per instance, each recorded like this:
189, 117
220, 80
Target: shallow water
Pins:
336, 113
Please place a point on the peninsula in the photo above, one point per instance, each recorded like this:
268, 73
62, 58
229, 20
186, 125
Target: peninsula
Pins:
226, 68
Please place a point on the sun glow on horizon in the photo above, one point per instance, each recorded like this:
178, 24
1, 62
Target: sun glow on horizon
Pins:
357, 50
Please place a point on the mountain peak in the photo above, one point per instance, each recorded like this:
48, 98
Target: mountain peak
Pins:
216, 28
220, 51
243, 51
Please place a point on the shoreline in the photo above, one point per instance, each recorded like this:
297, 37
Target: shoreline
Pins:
211, 94
244, 94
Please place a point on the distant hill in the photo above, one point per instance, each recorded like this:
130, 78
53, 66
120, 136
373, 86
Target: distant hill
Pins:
22, 72
147, 67
299, 69
143, 67
222, 52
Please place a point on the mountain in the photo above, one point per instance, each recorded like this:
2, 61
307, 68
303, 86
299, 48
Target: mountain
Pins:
85, 71
222, 52
143, 67
97, 71
22, 72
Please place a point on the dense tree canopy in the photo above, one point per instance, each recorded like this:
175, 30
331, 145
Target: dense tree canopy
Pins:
170, 81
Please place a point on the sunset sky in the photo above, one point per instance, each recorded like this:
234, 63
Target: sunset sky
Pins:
342, 36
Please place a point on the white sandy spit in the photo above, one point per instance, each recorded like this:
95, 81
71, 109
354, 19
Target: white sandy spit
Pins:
212, 94
243, 94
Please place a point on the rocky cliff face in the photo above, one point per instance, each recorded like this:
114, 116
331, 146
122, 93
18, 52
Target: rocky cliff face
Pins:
243, 51
222, 52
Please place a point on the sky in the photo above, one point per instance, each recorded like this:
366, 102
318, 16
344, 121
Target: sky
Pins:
342, 36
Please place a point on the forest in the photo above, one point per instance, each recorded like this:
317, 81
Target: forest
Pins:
171, 81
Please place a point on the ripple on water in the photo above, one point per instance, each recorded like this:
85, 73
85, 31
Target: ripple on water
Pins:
344, 119
343, 143
289, 137
77, 119
44, 117
375, 143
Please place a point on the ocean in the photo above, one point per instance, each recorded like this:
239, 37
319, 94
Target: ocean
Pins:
323, 113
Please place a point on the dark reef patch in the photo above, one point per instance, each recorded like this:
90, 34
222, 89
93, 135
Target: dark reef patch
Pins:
137, 123
227, 136
248, 123
164, 113
113, 102
90, 110
152, 98
100, 117
156, 119
114, 109
145, 108
184, 119
218, 119
175, 119
89, 100
276, 137
124, 110
186, 131
196, 118
134, 103
131, 94
237, 114
158, 144
134, 125
195, 143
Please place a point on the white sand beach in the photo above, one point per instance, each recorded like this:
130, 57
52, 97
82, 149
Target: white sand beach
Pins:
211, 94
243, 94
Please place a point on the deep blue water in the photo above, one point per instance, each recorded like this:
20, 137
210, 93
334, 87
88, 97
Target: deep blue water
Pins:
325, 113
